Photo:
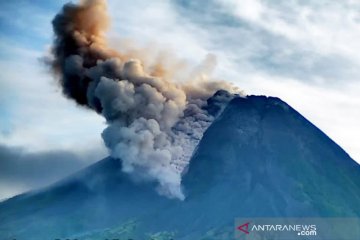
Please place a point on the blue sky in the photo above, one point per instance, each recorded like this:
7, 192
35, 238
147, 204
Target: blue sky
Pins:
305, 52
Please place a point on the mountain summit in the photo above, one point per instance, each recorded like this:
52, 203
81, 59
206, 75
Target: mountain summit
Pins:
259, 158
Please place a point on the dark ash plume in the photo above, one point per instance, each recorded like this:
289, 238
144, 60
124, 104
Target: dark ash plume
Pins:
154, 123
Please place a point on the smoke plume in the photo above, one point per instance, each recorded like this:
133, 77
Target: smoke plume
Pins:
154, 123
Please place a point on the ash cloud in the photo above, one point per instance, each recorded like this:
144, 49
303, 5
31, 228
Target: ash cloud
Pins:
154, 123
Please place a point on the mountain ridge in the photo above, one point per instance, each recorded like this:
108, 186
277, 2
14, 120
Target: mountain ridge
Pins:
259, 158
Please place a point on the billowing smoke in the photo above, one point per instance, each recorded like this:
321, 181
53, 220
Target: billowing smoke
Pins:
154, 123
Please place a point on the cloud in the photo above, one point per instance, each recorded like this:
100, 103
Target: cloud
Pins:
21, 170
262, 44
324, 26
303, 52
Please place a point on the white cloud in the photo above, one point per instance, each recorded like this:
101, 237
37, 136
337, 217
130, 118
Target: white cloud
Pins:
308, 53
156, 25
251, 10
325, 27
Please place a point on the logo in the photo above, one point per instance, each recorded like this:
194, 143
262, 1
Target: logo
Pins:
297, 228
244, 228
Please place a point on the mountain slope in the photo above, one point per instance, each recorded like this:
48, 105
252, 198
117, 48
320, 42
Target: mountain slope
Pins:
259, 158
262, 147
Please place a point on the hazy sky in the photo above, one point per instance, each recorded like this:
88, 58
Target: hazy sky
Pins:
305, 52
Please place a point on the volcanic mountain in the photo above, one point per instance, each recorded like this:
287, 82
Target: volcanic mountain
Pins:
259, 158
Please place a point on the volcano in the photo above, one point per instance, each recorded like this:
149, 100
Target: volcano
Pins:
259, 158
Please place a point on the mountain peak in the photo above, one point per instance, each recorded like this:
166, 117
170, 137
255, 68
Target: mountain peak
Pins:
260, 146
259, 158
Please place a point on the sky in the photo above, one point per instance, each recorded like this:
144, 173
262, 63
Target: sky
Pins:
305, 52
